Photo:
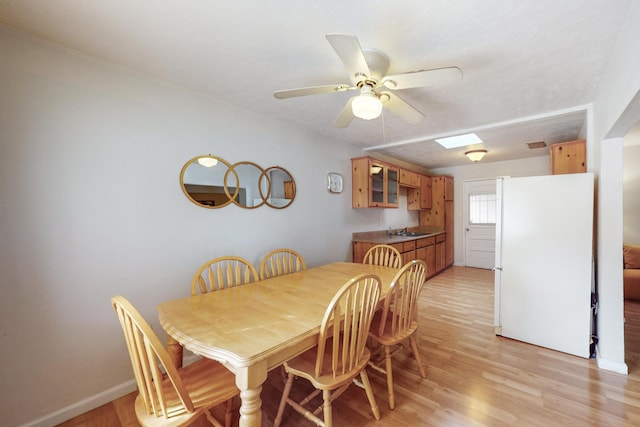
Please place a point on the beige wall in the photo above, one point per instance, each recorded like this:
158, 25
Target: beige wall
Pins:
91, 208
616, 109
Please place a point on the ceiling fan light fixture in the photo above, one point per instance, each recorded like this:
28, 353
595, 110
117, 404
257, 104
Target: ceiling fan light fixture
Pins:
475, 155
367, 106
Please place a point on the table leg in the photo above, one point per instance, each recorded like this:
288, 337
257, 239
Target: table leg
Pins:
249, 380
175, 352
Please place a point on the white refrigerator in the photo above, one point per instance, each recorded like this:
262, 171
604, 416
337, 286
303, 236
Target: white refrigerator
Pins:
544, 261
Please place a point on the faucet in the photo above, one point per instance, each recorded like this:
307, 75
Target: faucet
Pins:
403, 231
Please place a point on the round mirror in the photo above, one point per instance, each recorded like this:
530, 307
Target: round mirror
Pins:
203, 181
278, 186
247, 193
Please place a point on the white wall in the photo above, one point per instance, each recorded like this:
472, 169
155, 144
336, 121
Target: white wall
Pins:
631, 194
616, 109
91, 207
532, 166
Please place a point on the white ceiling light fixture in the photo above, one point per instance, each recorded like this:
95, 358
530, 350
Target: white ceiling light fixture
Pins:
367, 106
459, 140
475, 155
207, 162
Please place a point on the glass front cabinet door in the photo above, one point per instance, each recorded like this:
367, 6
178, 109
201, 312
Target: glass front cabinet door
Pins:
375, 183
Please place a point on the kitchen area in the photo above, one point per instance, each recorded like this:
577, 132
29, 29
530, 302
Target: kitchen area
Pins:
376, 184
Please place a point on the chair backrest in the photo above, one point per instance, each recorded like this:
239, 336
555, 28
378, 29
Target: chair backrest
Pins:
346, 324
384, 255
147, 355
401, 303
281, 261
221, 273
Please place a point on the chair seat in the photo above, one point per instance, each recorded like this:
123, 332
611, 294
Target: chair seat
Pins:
207, 383
387, 337
304, 366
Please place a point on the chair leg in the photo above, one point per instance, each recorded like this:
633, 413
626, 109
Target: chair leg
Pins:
387, 362
283, 401
328, 417
414, 348
370, 396
228, 413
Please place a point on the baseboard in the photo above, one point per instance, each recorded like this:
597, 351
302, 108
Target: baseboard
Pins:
609, 365
85, 405
92, 402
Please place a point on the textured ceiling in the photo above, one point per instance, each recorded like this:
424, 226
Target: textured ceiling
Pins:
529, 67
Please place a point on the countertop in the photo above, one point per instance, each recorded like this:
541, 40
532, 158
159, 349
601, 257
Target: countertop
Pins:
382, 236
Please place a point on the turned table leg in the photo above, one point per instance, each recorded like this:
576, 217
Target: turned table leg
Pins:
249, 380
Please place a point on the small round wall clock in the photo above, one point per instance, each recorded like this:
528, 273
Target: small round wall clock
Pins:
334, 182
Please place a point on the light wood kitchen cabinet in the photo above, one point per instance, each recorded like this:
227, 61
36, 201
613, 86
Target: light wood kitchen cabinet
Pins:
360, 249
374, 183
420, 198
448, 188
425, 193
425, 251
408, 251
441, 214
409, 178
449, 253
440, 249
568, 157
431, 250
435, 215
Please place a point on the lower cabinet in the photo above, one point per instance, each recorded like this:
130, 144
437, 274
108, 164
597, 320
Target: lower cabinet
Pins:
440, 246
431, 250
408, 251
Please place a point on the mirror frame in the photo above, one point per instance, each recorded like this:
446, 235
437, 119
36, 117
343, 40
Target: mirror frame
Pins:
226, 190
268, 196
234, 198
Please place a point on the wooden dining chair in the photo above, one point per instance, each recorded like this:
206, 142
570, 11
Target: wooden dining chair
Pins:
221, 273
281, 261
385, 255
179, 396
341, 353
397, 322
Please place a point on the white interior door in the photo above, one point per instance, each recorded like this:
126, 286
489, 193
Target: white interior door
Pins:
480, 223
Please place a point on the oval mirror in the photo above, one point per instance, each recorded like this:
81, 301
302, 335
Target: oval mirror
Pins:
278, 186
202, 180
247, 193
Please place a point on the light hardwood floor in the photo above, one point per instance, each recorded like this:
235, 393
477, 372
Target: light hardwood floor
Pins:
473, 377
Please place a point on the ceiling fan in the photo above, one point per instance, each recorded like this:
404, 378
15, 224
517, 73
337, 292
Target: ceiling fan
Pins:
367, 73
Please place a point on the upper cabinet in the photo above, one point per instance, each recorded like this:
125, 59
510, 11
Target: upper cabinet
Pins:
420, 198
374, 183
568, 157
409, 178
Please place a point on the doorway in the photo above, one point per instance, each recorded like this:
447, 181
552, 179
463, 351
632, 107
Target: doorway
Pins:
631, 236
479, 225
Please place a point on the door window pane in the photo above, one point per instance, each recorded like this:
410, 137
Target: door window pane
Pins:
482, 209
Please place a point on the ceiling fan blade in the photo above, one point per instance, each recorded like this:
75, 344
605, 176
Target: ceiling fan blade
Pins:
350, 53
422, 78
346, 115
313, 90
401, 107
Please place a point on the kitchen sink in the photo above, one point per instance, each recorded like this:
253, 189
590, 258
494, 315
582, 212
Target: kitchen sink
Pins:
411, 234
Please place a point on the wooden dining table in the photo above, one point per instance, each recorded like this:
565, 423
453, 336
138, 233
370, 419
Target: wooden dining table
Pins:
255, 327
